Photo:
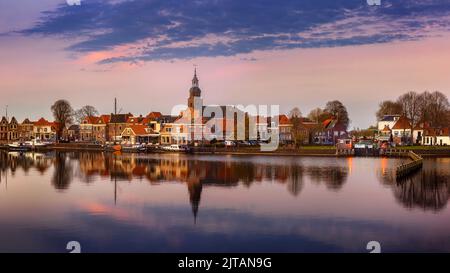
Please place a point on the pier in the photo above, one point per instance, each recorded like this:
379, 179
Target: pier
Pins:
406, 168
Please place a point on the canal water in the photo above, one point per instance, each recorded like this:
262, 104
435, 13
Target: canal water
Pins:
190, 203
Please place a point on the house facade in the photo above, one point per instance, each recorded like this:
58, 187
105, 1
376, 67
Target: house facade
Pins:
44, 130
116, 125
330, 132
26, 130
401, 131
73, 132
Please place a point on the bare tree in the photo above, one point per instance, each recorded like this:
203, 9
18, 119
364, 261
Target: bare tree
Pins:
438, 108
388, 107
315, 114
295, 112
63, 114
295, 116
410, 103
86, 112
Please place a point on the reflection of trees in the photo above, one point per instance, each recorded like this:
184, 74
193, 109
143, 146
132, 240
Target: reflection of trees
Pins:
62, 175
334, 177
428, 189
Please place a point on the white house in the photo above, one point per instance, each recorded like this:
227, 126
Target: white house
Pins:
388, 120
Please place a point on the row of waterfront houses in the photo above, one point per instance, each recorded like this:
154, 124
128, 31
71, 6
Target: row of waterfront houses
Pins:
186, 128
165, 129
397, 129
12, 130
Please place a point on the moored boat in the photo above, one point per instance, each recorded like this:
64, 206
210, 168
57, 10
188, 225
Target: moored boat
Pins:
18, 146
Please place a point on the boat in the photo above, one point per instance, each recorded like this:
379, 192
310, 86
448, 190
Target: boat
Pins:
18, 146
35, 144
117, 148
134, 148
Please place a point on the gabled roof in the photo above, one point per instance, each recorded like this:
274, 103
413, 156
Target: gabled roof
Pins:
90, 120
284, 120
43, 122
139, 129
4, 120
386, 129
27, 121
402, 123
154, 115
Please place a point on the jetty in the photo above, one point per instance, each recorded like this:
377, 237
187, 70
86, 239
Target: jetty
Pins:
409, 167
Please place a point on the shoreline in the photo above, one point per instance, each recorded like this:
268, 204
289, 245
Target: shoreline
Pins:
319, 151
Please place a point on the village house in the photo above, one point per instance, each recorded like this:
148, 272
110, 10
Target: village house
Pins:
306, 130
9, 130
401, 131
13, 130
330, 132
73, 132
100, 128
116, 126
44, 130
388, 121
436, 136
87, 128
138, 134
4, 130
443, 136
385, 134
26, 130
284, 129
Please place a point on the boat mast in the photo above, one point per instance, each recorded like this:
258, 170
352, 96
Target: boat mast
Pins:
115, 122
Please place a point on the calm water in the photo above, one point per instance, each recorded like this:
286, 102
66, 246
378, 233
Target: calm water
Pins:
185, 203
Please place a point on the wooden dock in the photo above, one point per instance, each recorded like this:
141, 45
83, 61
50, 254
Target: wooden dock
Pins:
406, 168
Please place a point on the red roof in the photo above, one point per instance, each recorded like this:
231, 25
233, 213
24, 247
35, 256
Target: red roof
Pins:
402, 123
105, 119
139, 129
90, 120
154, 115
43, 122
284, 120
327, 122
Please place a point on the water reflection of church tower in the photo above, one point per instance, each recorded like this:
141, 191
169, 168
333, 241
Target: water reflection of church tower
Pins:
195, 192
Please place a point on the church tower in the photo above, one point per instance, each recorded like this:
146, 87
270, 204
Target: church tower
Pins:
195, 93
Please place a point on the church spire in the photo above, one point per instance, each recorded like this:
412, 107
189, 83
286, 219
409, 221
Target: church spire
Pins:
195, 79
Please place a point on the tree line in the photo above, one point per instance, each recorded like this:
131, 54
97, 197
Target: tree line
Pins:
65, 115
430, 107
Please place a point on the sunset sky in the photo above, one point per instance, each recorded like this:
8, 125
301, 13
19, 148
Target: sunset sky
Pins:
290, 52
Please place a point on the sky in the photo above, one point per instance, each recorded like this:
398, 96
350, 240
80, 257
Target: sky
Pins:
290, 53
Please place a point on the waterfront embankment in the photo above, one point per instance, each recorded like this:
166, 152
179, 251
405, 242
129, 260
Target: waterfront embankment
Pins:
424, 151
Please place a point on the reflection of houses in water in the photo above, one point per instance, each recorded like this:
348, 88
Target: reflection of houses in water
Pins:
195, 172
16, 160
428, 189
